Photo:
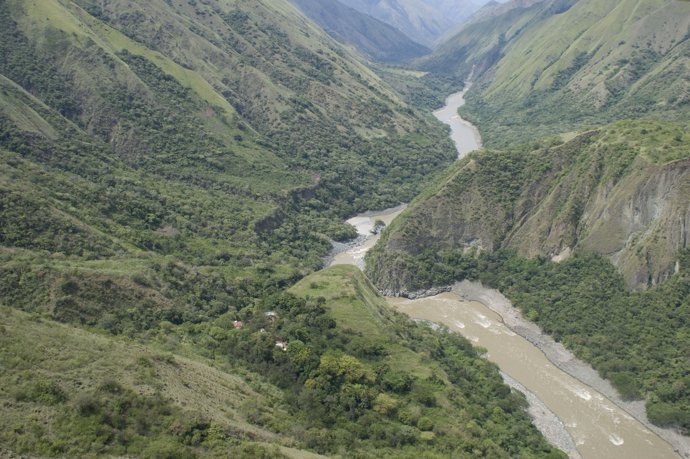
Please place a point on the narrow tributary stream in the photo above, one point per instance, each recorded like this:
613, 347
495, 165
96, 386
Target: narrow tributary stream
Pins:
572, 415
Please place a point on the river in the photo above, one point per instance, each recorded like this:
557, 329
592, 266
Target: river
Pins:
566, 408
464, 134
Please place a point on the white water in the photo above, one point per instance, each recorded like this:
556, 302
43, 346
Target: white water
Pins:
572, 415
354, 254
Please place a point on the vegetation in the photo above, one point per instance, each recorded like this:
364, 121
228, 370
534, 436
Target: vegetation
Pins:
559, 66
67, 392
127, 176
369, 378
500, 216
167, 170
341, 373
639, 341
567, 193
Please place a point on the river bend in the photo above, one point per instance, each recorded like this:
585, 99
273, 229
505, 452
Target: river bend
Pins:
572, 415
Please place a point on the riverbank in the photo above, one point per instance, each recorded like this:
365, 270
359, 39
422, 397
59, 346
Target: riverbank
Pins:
353, 252
564, 360
586, 418
545, 420
464, 134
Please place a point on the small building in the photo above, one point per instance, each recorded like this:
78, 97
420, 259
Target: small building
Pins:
238, 324
282, 345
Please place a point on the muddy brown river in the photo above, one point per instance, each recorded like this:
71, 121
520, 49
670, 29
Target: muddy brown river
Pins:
571, 414
598, 428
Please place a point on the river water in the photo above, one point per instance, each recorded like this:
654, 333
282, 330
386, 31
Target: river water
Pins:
464, 134
597, 428
572, 415
353, 254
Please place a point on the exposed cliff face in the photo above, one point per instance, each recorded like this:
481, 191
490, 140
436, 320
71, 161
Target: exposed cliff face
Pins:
621, 191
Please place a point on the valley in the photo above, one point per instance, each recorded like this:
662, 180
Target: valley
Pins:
190, 265
569, 411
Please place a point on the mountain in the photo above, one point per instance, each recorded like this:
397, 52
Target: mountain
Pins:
620, 190
578, 212
586, 234
168, 170
489, 10
423, 21
231, 138
375, 39
557, 65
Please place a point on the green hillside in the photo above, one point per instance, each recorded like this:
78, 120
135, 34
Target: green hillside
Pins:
127, 153
621, 192
67, 392
585, 231
168, 169
560, 65
355, 378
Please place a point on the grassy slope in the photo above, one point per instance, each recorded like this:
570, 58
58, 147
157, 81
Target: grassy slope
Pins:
66, 391
166, 170
591, 63
225, 139
480, 42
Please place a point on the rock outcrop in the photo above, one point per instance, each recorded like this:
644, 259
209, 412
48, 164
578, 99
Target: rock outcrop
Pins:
622, 191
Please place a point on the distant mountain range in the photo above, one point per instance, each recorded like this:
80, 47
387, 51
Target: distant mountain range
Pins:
376, 39
425, 21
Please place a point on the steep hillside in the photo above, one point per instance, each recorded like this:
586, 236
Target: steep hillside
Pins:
621, 191
481, 41
423, 21
612, 207
557, 65
183, 159
383, 368
375, 39
350, 375
69, 393
317, 107
167, 170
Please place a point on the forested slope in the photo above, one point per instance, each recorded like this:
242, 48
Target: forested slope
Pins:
167, 170
349, 376
226, 139
611, 205
558, 65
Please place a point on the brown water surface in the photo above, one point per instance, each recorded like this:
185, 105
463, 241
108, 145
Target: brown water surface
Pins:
600, 429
